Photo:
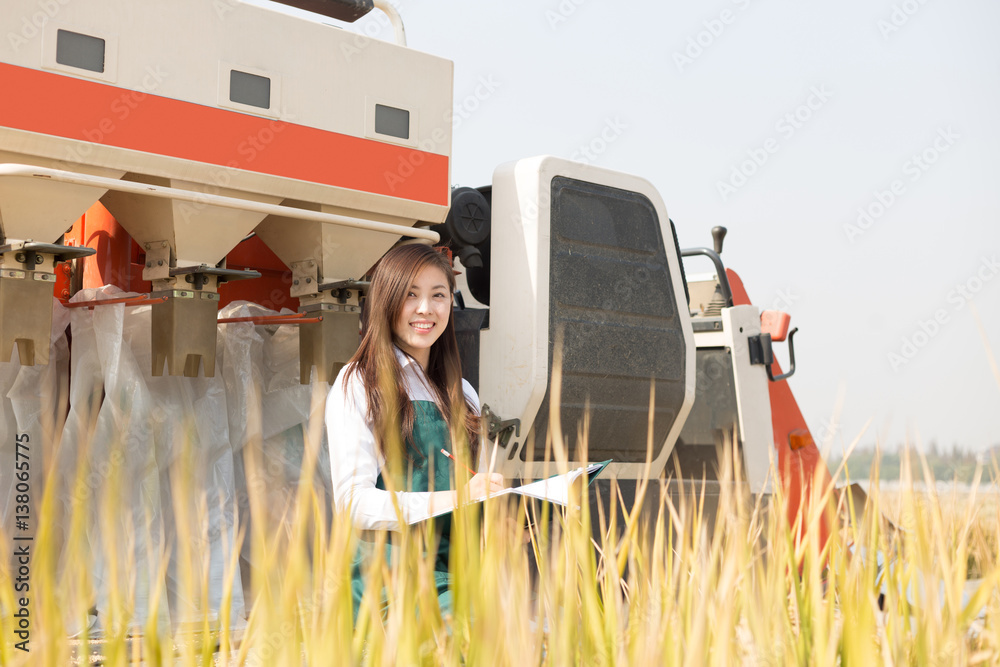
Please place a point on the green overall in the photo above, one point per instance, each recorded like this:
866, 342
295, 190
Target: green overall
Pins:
430, 434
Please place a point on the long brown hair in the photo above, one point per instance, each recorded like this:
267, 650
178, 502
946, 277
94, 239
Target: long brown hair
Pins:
390, 410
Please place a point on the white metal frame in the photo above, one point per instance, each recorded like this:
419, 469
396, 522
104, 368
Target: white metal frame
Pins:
753, 400
514, 364
205, 199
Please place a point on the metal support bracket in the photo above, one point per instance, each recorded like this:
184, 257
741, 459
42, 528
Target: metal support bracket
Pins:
223, 275
341, 289
321, 308
26, 280
495, 426
760, 349
60, 253
157, 260
305, 278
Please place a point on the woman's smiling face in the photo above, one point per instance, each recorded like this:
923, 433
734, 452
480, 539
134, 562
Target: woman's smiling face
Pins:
424, 315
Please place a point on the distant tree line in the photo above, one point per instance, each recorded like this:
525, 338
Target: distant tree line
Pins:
946, 465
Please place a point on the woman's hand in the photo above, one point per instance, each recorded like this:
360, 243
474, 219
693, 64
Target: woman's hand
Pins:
448, 500
482, 482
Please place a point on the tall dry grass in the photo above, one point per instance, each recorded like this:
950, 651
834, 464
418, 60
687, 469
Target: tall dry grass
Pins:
664, 587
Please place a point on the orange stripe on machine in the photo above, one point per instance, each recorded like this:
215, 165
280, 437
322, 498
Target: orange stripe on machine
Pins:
82, 110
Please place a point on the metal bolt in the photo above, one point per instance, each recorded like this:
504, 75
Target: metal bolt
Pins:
149, 265
159, 262
308, 280
295, 282
20, 257
147, 246
163, 244
189, 278
38, 259
347, 294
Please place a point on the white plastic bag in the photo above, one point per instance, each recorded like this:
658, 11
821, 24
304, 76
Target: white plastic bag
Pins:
160, 453
269, 412
30, 410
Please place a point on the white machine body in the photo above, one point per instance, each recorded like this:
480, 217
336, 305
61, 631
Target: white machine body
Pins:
522, 343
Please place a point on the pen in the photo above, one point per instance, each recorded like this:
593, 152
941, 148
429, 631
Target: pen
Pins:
448, 454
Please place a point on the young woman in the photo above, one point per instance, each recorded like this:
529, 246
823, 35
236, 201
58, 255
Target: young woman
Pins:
395, 405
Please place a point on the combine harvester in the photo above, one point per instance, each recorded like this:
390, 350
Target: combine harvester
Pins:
164, 163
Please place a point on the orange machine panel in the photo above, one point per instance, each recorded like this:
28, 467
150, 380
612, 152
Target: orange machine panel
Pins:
119, 261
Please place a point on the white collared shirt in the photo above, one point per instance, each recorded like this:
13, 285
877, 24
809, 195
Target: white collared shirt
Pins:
354, 458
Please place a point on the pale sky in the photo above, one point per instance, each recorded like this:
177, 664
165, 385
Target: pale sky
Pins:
887, 106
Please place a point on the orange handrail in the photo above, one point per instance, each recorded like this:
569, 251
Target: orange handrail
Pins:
272, 319
141, 300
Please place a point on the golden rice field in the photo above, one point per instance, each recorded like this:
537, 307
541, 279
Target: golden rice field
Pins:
666, 588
